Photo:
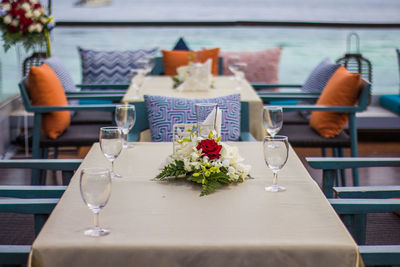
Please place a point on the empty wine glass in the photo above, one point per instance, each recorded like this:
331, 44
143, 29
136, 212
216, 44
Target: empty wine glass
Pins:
232, 60
138, 76
111, 145
276, 151
272, 119
240, 74
125, 117
95, 186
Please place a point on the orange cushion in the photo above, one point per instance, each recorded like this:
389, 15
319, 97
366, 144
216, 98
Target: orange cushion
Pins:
341, 90
172, 59
45, 89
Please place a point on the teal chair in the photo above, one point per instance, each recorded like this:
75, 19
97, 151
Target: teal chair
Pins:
301, 134
142, 122
29, 199
354, 203
76, 135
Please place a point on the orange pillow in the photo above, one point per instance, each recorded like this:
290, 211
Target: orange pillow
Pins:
45, 89
172, 59
341, 90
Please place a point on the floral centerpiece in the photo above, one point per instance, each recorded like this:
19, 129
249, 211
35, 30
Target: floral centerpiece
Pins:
25, 22
208, 162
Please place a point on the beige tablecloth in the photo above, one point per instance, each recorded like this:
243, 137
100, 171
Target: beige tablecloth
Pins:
168, 224
223, 85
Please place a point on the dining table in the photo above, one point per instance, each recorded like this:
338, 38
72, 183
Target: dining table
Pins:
168, 223
221, 86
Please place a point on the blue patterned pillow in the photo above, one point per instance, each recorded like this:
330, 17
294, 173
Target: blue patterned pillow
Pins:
64, 76
110, 67
164, 112
319, 77
317, 80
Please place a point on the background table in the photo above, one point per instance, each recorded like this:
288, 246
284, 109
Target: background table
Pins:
223, 85
167, 223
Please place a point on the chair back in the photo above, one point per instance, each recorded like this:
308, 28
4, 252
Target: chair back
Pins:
36, 59
159, 67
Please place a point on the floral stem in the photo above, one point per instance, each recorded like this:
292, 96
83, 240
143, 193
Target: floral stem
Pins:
48, 44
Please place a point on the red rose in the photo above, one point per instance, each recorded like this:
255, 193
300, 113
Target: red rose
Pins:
12, 28
20, 12
209, 148
36, 6
13, 12
5, 1
14, 5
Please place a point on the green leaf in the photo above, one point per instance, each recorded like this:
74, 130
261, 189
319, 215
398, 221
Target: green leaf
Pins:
173, 169
209, 187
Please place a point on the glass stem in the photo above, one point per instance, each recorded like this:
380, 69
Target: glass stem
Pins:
275, 180
96, 220
112, 166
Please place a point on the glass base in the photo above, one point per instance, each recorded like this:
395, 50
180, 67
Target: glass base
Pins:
115, 175
275, 188
127, 145
97, 231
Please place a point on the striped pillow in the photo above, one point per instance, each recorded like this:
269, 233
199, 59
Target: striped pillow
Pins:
164, 112
110, 67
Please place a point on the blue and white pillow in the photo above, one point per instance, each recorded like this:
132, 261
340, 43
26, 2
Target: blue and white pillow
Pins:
317, 81
64, 76
320, 76
164, 112
110, 67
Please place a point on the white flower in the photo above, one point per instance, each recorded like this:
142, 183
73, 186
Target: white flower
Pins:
7, 7
31, 28
7, 19
43, 20
28, 14
38, 27
33, 2
15, 23
26, 7
42, 11
36, 13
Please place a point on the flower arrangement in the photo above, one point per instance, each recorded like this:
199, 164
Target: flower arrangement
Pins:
208, 162
26, 22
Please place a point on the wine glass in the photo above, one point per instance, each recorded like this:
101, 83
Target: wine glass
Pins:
207, 120
272, 119
111, 145
95, 186
125, 117
276, 151
232, 60
240, 73
138, 75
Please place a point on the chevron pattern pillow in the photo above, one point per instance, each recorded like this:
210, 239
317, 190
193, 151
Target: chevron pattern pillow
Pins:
164, 112
110, 67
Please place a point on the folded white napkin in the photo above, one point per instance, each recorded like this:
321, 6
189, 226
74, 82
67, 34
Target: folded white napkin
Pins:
195, 77
218, 122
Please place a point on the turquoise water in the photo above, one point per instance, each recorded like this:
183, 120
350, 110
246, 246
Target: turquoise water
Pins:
303, 48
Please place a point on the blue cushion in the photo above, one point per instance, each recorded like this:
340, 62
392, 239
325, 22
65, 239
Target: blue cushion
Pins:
320, 76
164, 112
110, 67
391, 102
181, 45
64, 76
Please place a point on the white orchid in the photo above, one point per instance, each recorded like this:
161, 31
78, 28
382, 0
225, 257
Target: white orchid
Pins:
15, 22
36, 13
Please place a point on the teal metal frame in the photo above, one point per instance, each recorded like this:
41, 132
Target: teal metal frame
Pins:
29, 199
362, 102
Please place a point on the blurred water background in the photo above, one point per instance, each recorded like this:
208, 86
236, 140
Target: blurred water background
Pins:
303, 47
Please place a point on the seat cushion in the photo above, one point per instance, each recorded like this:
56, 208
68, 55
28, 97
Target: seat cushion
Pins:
90, 117
390, 102
342, 89
302, 135
164, 112
172, 59
75, 135
45, 89
293, 117
110, 67
262, 66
